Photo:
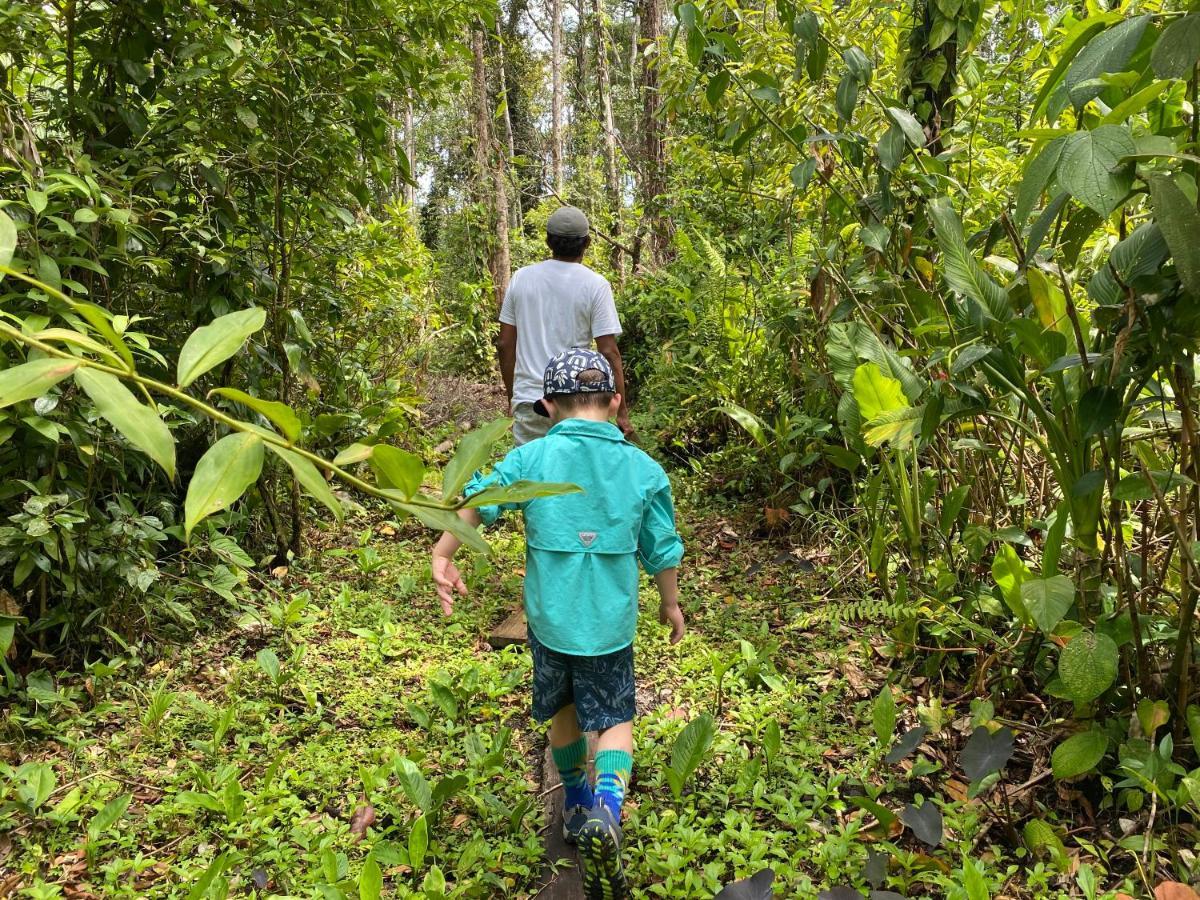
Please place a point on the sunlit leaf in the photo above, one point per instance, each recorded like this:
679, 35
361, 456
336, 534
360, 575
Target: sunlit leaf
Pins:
210, 345
33, 379
139, 424
223, 474
281, 414
473, 451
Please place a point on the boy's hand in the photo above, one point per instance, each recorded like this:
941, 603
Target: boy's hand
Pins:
671, 614
448, 580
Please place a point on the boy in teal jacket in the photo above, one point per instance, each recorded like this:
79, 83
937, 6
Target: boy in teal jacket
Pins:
581, 592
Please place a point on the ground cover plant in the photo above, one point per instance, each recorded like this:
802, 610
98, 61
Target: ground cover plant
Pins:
909, 295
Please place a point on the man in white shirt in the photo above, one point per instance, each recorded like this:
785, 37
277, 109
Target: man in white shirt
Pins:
550, 307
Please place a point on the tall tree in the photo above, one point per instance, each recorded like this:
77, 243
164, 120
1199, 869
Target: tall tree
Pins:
653, 233
490, 167
556, 96
604, 90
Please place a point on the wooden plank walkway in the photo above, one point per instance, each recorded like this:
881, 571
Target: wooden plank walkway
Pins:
513, 630
566, 883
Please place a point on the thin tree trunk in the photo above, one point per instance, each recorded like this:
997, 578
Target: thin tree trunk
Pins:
556, 96
604, 89
70, 66
489, 162
514, 204
652, 236
410, 150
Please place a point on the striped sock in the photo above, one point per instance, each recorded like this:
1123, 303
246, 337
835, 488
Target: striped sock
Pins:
571, 762
613, 768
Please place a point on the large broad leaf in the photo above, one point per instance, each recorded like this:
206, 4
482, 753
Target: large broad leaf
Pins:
900, 426
414, 783
310, 479
370, 880
986, 752
140, 425
1179, 221
1092, 167
909, 125
1178, 48
223, 474
1037, 176
398, 469
1049, 303
1105, 53
908, 742
689, 749
1073, 42
281, 414
961, 270
1048, 600
473, 452
1079, 754
519, 492
8, 239
756, 887
1141, 254
32, 379
748, 420
883, 715
210, 345
925, 821
1088, 666
1010, 573
445, 520
877, 392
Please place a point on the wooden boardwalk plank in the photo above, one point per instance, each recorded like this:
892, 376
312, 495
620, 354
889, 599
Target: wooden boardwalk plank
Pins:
512, 630
566, 884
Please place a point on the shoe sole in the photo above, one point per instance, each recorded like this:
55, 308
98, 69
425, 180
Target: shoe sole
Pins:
603, 873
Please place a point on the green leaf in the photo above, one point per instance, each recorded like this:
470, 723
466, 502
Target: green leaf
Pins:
876, 392
370, 880
36, 783
1055, 535
899, 426
281, 414
418, 842
1179, 221
717, 85
473, 451
8, 239
519, 492
1048, 600
202, 884
1079, 754
909, 125
688, 751
268, 661
223, 474
414, 783
1152, 715
1049, 303
883, 715
846, 97
1037, 176
802, 173
875, 236
1010, 573
210, 345
1135, 488
398, 469
1091, 167
858, 63
1192, 716
140, 425
310, 479
1088, 665
1073, 42
986, 752
1178, 48
1105, 53
445, 520
749, 421
107, 817
32, 379
355, 453
961, 270
1042, 840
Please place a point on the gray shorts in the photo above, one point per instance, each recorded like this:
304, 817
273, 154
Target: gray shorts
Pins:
528, 425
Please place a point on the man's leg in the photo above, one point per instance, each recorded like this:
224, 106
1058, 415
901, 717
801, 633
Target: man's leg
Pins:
569, 748
528, 425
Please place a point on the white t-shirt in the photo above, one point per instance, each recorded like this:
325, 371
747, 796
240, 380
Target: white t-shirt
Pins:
554, 306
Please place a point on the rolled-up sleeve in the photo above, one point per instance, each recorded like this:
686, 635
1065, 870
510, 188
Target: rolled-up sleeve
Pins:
659, 544
506, 472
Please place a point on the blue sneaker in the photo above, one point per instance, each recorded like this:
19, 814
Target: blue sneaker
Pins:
599, 842
573, 819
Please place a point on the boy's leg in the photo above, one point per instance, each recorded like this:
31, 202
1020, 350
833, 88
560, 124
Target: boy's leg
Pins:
614, 765
569, 748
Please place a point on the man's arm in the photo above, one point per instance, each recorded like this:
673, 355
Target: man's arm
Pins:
606, 344
506, 350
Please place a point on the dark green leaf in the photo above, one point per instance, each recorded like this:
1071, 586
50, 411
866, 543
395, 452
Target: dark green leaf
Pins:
961, 270
1105, 53
756, 887
846, 97
1179, 221
311, 479
1135, 488
717, 85
925, 821
1092, 167
1178, 48
909, 741
986, 752
398, 469
688, 751
8, 239
1037, 176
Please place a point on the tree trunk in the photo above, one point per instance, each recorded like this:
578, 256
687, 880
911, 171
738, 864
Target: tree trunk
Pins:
410, 150
490, 164
652, 237
556, 96
514, 206
604, 90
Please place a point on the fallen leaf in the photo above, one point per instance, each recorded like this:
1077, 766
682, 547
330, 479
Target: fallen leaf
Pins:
1174, 890
459, 821
10, 886
279, 571
362, 819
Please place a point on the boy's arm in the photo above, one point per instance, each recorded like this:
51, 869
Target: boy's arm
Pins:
446, 576
669, 613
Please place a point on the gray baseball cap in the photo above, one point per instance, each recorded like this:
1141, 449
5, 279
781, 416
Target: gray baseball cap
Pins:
568, 221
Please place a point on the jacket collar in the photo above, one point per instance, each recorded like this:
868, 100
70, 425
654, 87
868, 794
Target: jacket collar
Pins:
588, 428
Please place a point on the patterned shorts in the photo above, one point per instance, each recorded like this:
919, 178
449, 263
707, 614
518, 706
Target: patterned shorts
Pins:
601, 687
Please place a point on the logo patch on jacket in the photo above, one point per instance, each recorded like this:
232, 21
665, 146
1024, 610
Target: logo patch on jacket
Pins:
587, 538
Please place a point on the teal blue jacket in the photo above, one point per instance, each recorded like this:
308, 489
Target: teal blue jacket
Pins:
582, 550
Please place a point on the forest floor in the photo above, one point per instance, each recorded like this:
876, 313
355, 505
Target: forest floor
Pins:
338, 734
